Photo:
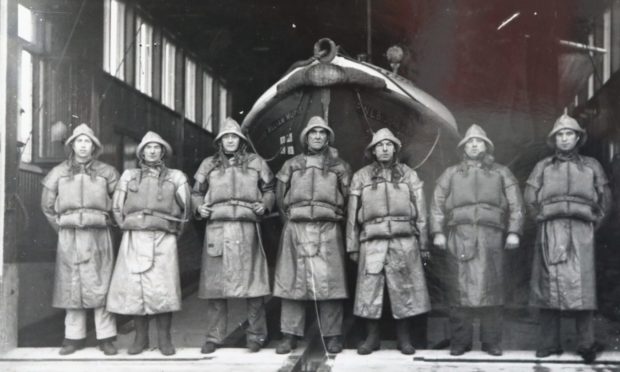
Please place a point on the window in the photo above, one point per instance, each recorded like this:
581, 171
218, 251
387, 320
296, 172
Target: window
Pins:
26, 106
168, 74
207, 102
223, 103
114, 38
144, 57
190, 89
25, 24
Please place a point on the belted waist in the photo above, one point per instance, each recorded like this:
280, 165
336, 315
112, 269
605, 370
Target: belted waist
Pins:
312, 203
150, 212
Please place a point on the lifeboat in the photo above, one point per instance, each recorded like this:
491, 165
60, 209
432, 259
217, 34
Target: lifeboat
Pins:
356, 98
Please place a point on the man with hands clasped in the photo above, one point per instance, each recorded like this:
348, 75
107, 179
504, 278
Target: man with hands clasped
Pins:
386, 233
233, 190
476, 212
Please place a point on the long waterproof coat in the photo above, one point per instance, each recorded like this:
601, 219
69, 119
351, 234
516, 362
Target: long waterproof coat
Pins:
476, 204
76, 200
233, 259
568, 197
310, 263
146, 277
386, 224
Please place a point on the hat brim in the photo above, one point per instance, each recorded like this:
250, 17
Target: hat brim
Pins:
490, 146
98, 148
222, 134
368, 151
583, 137
162, 143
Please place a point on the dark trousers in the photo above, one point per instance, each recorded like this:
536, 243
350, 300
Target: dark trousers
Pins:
217, 318
550, 328
293, 317
461, 319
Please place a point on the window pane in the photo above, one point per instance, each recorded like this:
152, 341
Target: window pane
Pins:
25, 102
144, 57
114, 38
207, 102
168, 74
223, 103
190, 89
25, 23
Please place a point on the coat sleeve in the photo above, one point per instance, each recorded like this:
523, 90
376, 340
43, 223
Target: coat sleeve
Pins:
48, 200
417, 196
601, 183
118, 198
183, 198
516, 211
438, 203
353, 228
532, 186
344, 179
266, 185
201, 184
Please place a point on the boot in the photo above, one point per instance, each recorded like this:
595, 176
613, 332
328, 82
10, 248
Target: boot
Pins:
70, 346
402, 337
372, 341
164, 323
141, 339
208, 347
334, 344
288, 343
107, 346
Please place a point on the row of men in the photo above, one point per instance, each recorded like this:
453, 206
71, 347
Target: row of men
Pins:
476, 212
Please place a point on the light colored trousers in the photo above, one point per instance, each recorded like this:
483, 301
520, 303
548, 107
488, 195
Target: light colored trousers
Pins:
75, 324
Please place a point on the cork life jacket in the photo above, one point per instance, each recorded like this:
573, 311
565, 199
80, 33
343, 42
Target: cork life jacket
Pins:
568, 191
477, 198
314, 194
232, 192
151, 204
83, 201
387, 210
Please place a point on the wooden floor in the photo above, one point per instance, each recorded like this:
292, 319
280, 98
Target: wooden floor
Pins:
235, 359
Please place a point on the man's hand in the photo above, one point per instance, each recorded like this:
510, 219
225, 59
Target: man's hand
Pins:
354, 256
258, 208
439, 241
204, 211
512, 241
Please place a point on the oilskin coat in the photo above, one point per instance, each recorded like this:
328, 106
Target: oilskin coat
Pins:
311, 192
568, 196
77, 202
146, 277
386, 224
233, 259
477, 203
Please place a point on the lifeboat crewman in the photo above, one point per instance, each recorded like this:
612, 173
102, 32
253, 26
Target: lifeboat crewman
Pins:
151, 204
386, 233
476, 212
568, 195
233, 190
310, 193
77, 201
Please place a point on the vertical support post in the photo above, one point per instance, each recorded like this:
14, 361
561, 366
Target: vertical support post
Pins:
8, 171
369, 30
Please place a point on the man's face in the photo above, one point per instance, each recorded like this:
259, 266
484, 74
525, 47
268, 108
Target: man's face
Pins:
83, 147
317, 138
475, 147
152, 152
566, 139
384, 151
230, 142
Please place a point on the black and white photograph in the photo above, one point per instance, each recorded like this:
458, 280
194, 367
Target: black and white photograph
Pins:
309, 186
